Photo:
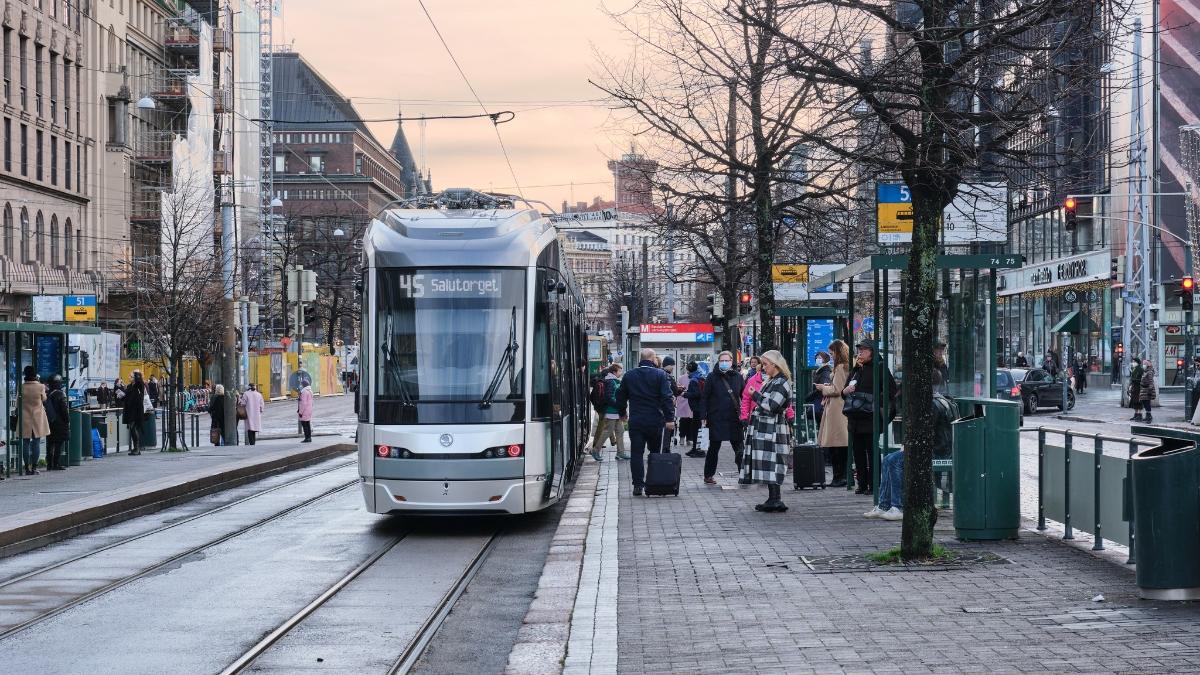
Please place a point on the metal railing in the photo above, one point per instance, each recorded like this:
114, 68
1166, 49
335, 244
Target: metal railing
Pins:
1102, 499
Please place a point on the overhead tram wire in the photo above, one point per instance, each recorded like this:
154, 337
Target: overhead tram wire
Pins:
495, 125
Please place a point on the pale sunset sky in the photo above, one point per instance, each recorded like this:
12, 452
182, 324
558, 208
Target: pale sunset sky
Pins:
530, 56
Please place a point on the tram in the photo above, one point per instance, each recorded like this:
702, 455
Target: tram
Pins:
473, 364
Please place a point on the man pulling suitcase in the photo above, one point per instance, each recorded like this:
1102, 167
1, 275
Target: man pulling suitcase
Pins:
646, 401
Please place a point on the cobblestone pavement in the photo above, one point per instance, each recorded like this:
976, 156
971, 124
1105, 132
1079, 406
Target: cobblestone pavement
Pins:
706, 584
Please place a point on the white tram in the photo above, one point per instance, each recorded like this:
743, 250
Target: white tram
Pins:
473, 364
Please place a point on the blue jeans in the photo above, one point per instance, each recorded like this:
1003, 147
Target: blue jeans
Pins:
33, 451
639, 441
891, 481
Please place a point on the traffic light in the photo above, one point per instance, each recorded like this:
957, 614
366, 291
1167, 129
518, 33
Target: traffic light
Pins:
1071, 206
1187, 286
744, 300
1119, 351
711, 305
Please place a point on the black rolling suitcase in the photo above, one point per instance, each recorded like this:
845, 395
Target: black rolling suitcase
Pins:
808, 459
663, 470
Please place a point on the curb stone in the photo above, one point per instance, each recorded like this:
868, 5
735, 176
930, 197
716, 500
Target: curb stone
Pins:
541, 645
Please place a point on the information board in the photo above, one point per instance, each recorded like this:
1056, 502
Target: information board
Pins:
818, 333
48, 308
79, 307
49, 355
893, 212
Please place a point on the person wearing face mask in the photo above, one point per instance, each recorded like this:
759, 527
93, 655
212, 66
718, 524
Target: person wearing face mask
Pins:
722, 409
694, 395
770, 437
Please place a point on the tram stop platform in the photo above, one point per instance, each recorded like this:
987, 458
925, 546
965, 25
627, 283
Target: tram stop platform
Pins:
55, 505
704, 583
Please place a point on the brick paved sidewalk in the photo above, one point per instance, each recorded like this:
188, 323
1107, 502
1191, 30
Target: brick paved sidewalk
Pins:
706, 584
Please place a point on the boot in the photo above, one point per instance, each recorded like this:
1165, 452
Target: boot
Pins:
1149, 418
765, 506
1137, 417
774, 504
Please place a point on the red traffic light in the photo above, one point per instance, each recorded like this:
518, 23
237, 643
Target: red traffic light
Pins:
745, 297
1187, 284
1070, 204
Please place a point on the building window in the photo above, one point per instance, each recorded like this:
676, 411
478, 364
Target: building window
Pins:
39, 239
280, 163
7, 46
66, 93
38, 153
53, 160
54, 246
68, 258
25, 254
24, 150
316, 163
9, 234
7, 144
78, 245
37, 78
54, 87
358, 164
23, 46
67, 164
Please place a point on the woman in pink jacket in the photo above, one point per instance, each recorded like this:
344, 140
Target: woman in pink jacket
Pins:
755, 383
304, 408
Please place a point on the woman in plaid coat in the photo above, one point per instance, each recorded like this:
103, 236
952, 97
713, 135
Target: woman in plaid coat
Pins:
770, 438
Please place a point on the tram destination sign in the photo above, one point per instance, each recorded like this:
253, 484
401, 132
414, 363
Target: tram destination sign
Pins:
450, 284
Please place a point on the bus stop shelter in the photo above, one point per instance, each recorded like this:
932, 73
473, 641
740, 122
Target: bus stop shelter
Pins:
43, 346
966, 322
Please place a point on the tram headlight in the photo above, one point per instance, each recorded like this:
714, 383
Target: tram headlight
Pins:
405, 454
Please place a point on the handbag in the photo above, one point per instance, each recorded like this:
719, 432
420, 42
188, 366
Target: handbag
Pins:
147, 405
858, 404
241, 411
214, 436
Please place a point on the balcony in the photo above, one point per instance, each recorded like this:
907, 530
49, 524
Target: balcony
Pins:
222, 40
171, 87
221, 163
146, 206
154, 147
222, 100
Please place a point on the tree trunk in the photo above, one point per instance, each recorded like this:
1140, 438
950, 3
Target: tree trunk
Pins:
920, 327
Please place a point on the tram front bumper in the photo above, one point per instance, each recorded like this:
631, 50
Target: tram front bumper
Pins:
479, 496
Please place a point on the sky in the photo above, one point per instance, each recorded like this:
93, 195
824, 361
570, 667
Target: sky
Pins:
533, 57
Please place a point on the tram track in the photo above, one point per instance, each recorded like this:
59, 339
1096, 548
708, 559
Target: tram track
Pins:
169, 561
424, 634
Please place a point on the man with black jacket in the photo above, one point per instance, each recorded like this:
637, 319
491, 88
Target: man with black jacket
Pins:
646, 400
722, 413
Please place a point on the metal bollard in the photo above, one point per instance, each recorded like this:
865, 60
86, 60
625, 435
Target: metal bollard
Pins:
1098, 544
1041, 480
1067, 488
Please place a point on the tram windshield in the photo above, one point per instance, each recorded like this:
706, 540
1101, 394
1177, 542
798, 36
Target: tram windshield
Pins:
450, 346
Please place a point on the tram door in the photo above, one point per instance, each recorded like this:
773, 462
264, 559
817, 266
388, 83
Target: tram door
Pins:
559, 378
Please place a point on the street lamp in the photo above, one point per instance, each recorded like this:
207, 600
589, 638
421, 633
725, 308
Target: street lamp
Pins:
339, 233
146, 103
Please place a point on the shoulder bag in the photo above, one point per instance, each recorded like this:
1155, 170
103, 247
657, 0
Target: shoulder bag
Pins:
859, 404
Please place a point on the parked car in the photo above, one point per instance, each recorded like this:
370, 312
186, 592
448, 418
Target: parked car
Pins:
1008, 386
1038, 389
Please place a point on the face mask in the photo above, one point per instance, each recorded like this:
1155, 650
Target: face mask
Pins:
820, 362
725, 365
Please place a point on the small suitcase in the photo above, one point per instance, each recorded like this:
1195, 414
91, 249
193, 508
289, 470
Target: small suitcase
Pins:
663, 470
808, 466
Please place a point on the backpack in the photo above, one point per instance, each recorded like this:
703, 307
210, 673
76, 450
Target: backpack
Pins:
596, 394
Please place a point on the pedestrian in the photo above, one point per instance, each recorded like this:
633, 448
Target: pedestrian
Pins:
1050, 363
1135, 388
152, 390
770, 437
861, 426
668, 366
941, 366
1147, 392
833, 432
645, 401
104, 395
304, 409
58, 416
119, 392
695, 398
683, 407
722, 413
610, 426
1021, 361
252, 401
216, 413
1081, 369
34, 425
133, 409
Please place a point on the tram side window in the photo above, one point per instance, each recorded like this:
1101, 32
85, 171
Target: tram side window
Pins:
541, 349
363, 373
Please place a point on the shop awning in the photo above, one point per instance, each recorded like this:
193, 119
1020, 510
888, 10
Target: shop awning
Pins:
1071, 323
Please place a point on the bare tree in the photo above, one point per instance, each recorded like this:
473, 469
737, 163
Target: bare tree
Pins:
628, 288
178, 285
959, 91
335, 257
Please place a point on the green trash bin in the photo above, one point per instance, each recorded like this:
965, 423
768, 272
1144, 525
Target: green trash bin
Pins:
79, 428
1166, 515
150, 431
986, 470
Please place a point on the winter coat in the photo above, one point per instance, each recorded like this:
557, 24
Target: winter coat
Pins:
723, 405
645, 397
695, 395
58, 411
1148, 390
865, 374
152, 389
752, 385
304, 404
1135, 383
253, 402
834, 430
770, 435
683, 409
216, 411
612, 384
33, 411
132, 406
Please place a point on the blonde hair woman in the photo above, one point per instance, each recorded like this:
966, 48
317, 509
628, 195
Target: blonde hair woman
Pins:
770, 440
834, 433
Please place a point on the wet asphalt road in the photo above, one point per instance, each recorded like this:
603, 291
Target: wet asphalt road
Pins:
196, 596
